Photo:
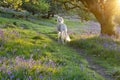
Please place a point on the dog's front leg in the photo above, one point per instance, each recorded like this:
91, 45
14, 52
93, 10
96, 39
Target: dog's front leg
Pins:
62, 37
59, 36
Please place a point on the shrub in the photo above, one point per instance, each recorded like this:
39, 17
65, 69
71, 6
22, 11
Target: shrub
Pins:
39, 7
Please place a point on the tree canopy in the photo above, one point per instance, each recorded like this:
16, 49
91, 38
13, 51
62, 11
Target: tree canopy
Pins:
36, 7
29, 5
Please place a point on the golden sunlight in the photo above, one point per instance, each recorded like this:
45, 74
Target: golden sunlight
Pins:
118, 3
118, 7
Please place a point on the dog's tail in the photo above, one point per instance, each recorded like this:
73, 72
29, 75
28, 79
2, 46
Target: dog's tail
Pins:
68, 38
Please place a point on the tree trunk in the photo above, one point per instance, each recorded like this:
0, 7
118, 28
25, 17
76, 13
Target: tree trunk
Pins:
106, 23
107, 28
103, 12
52, 14
48, 16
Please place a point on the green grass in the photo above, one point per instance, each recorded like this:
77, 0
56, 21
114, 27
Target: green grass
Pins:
104, 51
32, 52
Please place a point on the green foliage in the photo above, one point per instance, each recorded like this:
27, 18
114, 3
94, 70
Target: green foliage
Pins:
12, 3
116, 74
85, 15
38, 7
33, 6
55, 6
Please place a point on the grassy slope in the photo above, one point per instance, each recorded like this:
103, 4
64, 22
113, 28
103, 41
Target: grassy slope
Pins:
29, 53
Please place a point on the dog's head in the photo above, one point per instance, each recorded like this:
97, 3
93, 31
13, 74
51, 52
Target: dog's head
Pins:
60, 19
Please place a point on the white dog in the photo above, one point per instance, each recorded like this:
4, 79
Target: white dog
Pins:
62, 31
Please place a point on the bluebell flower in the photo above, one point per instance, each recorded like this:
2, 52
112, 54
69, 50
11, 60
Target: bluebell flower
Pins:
3, 79
41, 76
12, 76
18, 79
9, 72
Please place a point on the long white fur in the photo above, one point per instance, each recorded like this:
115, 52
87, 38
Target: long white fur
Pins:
62, 30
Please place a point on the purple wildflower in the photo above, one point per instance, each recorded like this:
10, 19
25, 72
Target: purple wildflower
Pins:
12, 76
3, 79
9, 72
40, 76
18, 79
30, 78
105, 45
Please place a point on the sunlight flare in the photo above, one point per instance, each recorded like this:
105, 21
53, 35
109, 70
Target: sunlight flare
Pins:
118, 7
119, 2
